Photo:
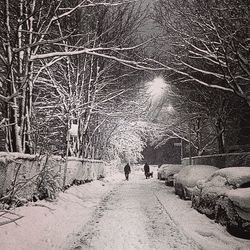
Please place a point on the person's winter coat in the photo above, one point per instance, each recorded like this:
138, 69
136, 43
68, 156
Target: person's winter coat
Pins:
127, 169
146, 168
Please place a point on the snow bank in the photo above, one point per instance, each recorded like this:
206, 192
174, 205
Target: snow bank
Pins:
203, 230
47, 225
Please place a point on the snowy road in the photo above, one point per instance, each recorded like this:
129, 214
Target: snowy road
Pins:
131, 216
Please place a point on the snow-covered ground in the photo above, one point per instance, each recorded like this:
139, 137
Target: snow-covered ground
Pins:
46, 225
131, 217
115, 214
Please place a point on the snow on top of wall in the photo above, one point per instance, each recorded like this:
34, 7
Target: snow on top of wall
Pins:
5, 156
193, 173
84, 160
8, 156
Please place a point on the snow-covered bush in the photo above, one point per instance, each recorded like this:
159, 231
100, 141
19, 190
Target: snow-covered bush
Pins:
47, 184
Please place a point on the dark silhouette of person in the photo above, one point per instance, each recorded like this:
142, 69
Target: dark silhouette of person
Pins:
127, 171
146, 170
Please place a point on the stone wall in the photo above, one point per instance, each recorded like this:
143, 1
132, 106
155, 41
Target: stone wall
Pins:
19, 169
221, 160
23, 170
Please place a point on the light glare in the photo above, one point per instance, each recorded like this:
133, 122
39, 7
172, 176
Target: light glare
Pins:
156, 87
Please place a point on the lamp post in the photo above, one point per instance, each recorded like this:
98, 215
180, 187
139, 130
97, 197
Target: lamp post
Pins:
156, 90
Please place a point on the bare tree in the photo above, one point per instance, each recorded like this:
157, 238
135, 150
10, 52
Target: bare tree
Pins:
205, 119
208, 42
40, 37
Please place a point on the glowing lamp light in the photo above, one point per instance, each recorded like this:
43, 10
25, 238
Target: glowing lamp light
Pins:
156, 87
170, 109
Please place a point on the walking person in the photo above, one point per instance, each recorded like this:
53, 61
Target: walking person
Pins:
146, 170
127, 171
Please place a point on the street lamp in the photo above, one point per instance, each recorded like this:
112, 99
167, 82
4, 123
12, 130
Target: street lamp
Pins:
156, 88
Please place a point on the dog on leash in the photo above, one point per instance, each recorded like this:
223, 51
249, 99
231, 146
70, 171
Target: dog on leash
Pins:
149, 174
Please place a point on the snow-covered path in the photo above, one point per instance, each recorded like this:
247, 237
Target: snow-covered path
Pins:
131, 217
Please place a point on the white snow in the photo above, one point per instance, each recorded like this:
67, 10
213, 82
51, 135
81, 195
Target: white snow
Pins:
46, 225
235, 175
169, 169
240, 196
5, 156
50, 224
225, 179
73, 131
208, 234
189, 176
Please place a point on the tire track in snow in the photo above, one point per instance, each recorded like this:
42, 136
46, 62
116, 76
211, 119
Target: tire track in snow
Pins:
84, 238
131, 217
166, 232
161, 228
122, 225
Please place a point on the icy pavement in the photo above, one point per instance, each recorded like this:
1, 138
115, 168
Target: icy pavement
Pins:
115, 214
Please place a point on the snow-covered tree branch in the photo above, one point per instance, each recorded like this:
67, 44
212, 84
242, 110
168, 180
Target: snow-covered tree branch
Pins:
208, 41
61, 56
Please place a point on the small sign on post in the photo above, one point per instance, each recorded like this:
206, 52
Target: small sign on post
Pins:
179, 144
